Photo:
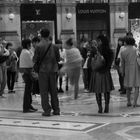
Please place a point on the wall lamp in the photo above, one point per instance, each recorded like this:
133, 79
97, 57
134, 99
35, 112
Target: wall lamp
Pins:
68, 14
11, 16
122, 15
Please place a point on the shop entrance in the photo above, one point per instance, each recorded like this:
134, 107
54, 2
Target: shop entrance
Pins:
34, 17
92, 20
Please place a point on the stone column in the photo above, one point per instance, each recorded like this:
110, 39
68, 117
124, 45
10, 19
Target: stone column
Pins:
118, 20
66, 20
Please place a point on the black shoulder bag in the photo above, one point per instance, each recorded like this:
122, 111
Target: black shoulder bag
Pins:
37, 64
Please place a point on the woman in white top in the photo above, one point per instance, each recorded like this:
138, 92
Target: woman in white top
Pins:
26, 65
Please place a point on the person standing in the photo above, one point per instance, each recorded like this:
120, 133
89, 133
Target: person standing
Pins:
60, 65
35, 90
117, 64
101, 80
73, 65
3, 72
11, 68
47, 73
26, 68
130, 70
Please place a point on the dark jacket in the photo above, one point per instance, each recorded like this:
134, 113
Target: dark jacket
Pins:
51, 59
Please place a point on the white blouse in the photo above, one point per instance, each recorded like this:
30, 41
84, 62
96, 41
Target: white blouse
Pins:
26, 59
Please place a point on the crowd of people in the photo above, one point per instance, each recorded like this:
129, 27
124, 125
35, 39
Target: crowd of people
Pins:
94, 59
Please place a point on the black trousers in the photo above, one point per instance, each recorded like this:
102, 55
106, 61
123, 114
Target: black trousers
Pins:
121, 80
86, 77
47, 84
11, 79
27, 99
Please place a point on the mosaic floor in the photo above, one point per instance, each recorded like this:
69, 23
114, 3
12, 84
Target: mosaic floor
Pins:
78, 120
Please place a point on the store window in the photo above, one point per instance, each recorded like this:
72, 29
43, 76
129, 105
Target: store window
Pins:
92, 1
130, 1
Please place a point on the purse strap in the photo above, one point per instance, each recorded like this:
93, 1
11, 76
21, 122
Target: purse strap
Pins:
45, 53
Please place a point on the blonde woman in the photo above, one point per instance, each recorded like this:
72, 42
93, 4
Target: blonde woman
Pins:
130, 70
73, 65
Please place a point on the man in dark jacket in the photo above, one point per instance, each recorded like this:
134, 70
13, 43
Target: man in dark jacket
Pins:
47, 73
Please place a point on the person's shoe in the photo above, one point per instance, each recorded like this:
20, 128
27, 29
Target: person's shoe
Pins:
46, 114
12, 91
9, 91
136, 105
129, 104
106, 109
56, 113
29, 111
61, 90
32, 108
86, 91
100, 110
120, 90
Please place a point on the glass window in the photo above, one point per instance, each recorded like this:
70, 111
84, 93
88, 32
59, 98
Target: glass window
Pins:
92, 1
134, 0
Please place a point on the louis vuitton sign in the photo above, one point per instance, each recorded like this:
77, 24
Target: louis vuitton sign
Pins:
38, 12
92, 11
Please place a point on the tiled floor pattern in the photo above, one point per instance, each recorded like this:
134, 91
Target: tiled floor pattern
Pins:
14, 125
118, 131
45, 124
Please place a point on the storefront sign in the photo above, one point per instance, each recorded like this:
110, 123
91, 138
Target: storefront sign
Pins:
92, 11
97, 11
38, 12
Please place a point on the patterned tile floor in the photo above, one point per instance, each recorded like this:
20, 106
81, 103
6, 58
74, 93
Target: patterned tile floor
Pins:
78, 120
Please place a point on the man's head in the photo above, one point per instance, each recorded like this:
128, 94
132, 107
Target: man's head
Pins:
45, 33
35, 41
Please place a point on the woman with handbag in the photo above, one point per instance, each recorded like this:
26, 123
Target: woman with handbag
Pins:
26, 68
101, 80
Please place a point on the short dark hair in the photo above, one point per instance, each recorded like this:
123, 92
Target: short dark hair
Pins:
26, 43
36, 39
45, 33
129, 40
8, 44
69, 42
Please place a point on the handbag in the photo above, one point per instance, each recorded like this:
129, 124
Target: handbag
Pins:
37, 64
97, 62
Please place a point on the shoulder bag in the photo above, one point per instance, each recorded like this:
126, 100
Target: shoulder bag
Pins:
97, 62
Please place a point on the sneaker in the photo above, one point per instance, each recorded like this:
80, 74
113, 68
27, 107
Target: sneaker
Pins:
86, 91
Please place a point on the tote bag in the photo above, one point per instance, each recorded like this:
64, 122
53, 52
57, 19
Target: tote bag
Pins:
97, 62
